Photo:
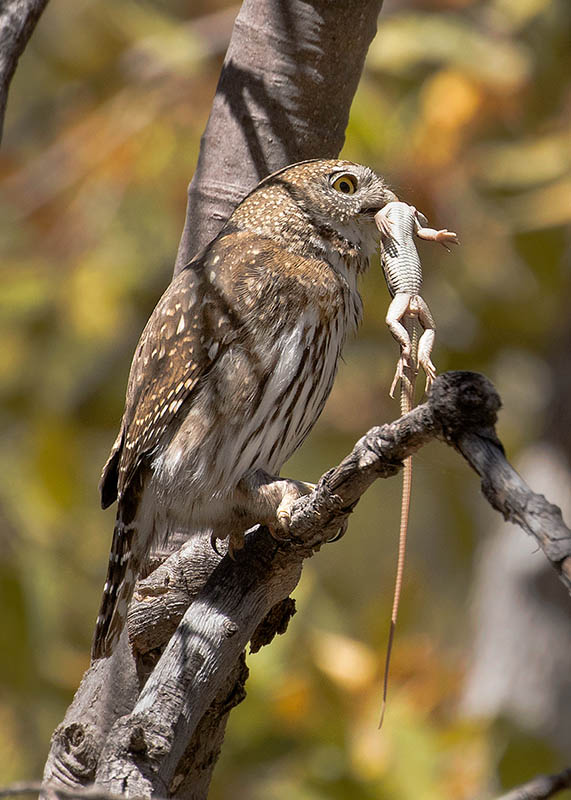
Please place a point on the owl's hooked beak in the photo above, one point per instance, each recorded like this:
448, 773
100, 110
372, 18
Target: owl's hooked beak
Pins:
388, 197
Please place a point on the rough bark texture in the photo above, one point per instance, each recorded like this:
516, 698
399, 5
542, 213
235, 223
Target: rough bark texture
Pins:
18, 19
154, 747
284, 95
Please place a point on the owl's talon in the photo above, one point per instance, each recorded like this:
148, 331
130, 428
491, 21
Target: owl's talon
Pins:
340, 533
295, 490
277, 532
214, 544
284, 519
235, 543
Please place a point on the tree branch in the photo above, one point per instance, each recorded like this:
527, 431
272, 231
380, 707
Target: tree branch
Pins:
540, 788
504, 489
145, 720
18, 19
51, 793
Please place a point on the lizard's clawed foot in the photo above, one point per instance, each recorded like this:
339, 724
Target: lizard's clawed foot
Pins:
443, 237
446, 237
396, 379
384, 224
430, 371
404, 362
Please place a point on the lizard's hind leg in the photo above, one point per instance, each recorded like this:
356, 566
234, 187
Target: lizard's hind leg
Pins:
426, 341
399, 307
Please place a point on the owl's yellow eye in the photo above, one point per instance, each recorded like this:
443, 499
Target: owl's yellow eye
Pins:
346, 184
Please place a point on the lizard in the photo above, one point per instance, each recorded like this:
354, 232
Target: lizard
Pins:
398, 222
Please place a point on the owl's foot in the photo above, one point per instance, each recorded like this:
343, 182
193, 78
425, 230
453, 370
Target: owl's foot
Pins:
294, 490
235, 540
261, 499
268, 500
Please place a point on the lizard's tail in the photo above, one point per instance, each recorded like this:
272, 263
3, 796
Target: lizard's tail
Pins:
405, 508
408, 379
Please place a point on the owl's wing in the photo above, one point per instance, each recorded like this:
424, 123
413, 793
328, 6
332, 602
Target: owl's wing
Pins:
187, 332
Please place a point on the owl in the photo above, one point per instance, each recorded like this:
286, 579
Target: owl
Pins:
234, 367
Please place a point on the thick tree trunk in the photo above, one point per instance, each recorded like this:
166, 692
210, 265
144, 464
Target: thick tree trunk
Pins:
284, 95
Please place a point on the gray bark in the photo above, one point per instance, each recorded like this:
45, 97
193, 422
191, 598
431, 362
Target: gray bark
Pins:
18, 19
284, 95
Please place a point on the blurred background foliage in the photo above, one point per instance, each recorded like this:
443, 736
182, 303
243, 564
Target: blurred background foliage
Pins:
465, 107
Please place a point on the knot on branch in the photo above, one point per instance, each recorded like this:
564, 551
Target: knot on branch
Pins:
462, 402
76, 749
143, 735
137, 741
381, 444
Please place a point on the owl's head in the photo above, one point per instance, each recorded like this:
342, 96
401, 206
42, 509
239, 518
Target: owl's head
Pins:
315, 198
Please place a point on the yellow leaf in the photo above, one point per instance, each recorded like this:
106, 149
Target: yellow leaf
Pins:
345, 661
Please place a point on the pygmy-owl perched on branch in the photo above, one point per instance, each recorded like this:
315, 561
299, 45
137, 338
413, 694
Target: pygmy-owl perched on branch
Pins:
234, 367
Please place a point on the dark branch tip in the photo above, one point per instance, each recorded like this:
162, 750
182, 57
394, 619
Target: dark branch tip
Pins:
463, 401
77, 750
276, 621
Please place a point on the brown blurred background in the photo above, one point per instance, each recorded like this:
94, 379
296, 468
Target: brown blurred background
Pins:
465, 107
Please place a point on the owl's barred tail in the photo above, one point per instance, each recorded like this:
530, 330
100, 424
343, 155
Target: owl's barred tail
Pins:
119, 584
